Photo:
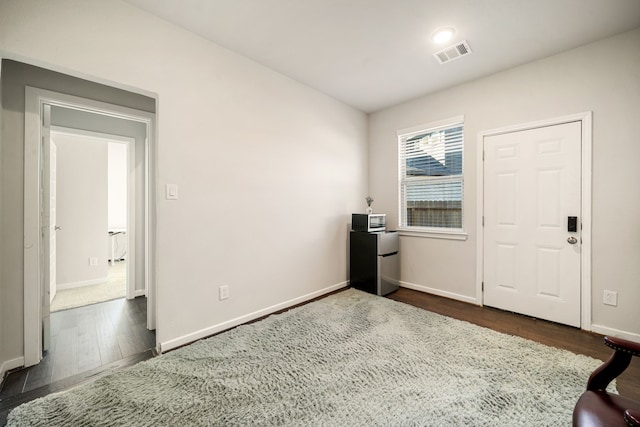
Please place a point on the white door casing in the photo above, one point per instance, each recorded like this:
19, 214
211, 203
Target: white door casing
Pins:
35, 263
47, 224
53, 222
531, 186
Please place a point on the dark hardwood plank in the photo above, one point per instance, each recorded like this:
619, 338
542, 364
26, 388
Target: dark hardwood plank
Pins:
138, 317
144, 338
66, 318
107, 339
128, 345
65, 358
83, 339
88, 350
42, 373
14, 384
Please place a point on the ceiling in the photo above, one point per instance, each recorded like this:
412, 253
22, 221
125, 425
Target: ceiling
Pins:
372, 54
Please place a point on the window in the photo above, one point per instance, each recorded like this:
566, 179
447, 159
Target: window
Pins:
431, 179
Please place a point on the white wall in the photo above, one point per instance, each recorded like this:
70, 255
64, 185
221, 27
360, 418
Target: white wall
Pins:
117, 185
602, 77
81, 210
268, 169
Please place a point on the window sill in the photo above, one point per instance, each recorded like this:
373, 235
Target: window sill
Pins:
433, 234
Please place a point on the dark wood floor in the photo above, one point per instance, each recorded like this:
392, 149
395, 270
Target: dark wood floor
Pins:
548, 333
85, 342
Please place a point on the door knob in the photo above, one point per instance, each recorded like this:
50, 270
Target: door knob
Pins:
57, 227
572, 240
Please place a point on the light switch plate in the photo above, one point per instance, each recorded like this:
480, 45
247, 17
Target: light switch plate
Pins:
172, 192
224, 292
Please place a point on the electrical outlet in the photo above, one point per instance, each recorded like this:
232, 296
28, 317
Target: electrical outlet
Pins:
93, 261
610, 298
224, 292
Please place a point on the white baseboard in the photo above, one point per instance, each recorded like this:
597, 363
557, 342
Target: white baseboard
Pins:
605, 330
8, 365
599, 329
211, 330
439, 292
73, 285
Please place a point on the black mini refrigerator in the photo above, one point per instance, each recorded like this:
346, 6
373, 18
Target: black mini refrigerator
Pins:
375, 261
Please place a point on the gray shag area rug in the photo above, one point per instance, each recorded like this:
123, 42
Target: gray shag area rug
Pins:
351, 359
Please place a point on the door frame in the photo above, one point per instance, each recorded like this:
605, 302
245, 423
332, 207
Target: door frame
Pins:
35, 98
131, 193
585, 119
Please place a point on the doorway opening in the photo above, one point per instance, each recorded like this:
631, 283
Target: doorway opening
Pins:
95, 213
71, 121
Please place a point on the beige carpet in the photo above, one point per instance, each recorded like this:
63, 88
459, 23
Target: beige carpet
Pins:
114, 288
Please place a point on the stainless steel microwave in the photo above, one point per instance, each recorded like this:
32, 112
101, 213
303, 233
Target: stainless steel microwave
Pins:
368, 222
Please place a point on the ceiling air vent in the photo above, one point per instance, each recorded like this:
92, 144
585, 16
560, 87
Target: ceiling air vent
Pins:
450, 53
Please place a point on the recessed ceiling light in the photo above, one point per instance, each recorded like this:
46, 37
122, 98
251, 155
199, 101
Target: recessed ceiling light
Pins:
442, 35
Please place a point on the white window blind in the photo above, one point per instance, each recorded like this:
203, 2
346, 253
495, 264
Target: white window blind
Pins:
431, 178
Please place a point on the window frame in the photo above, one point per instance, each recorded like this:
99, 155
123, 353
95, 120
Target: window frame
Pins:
424, 231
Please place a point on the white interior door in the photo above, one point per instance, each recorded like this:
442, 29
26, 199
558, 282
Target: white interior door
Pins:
48, 226
532, 184
53, 223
